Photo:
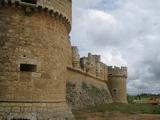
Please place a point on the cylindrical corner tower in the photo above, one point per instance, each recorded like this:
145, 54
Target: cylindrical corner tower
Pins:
117, 78
75, 57
34, 54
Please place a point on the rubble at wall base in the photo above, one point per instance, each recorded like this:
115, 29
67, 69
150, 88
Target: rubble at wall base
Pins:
35, 111
82, 95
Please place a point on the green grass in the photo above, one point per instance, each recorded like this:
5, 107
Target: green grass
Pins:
125, 108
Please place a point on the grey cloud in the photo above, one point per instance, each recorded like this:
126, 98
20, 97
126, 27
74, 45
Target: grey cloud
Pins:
128, 33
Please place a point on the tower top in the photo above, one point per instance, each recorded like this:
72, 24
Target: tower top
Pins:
96, 58
117, 71
60, 7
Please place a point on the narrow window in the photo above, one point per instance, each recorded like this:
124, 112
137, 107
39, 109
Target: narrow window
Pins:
28, 68
19, 119
30, 1
115, 90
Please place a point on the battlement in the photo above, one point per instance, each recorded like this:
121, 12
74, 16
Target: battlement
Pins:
96, 58
59, 9
75, 52
117, 71
75, 57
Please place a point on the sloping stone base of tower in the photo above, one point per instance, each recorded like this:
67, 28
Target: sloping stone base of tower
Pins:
82, 94
85, 90
35, 111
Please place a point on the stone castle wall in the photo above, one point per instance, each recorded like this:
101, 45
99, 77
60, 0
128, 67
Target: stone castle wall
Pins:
84, 89
39, 40
35, 111
90, 71
117, 83
91, 64
34, 53
36, 59
117, 71
62, 7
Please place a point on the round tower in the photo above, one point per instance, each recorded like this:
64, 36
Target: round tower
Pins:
34, 54
75, 57
117, 78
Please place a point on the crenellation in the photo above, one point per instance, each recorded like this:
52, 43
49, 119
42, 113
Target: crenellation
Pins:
117, 77
93, 65
34, 39
30, 8
114, 76
117, 71
75, 57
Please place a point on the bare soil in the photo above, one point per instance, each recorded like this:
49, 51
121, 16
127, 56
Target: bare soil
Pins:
114, 116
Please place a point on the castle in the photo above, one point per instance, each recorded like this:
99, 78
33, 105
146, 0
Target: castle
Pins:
91, 82
41, 75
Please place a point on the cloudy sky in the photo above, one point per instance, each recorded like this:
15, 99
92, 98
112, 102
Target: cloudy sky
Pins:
123, 32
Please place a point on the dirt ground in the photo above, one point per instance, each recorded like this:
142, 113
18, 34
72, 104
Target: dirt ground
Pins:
114, 116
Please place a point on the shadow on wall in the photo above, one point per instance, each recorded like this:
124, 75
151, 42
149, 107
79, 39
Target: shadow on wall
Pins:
82, 95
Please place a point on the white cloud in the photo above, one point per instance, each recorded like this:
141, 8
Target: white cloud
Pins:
124, 32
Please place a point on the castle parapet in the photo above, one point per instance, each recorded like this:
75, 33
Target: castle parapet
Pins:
117, 77
57, 5
117, 71
35, 53
94, 58
75, 57
55, 8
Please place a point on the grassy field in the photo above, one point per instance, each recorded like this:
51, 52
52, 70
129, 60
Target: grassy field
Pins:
119, 112
125, 108
115, 116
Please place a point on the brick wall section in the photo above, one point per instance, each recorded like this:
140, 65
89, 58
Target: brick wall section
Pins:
35, 111
84, 89
61, 6
38, 39
117, 82
74, 74
118, 89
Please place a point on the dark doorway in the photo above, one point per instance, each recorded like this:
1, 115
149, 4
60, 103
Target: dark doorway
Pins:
30, 1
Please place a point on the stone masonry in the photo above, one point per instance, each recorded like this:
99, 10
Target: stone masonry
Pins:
91, 82
34, 53
41, 75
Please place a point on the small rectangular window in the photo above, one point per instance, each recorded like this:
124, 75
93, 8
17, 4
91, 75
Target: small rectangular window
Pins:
20, 119
28, 68
30, 1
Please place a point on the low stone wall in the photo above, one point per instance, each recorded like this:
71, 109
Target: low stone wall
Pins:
35, 111
84, 90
